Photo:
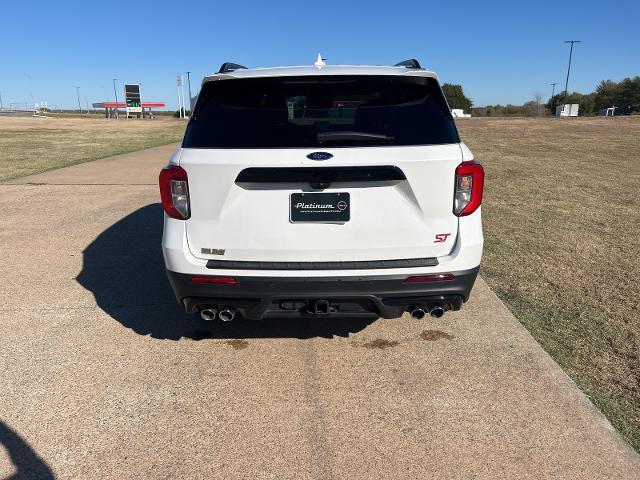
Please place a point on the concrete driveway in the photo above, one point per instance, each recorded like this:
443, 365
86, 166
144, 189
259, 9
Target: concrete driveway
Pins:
104, 376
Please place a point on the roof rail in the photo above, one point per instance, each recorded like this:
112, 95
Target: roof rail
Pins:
230, 67
411, 63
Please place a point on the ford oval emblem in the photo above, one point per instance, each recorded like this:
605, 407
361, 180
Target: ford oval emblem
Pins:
319, 156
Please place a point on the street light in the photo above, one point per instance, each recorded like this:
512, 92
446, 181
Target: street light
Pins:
78, 93
115, 93
566, 84
553, 89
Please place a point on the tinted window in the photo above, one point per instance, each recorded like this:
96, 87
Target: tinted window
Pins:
320, 111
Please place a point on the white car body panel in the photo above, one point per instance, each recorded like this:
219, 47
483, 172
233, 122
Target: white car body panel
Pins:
389, 220
466, 253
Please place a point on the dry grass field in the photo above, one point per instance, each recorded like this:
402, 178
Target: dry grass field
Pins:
35, 144
562, 230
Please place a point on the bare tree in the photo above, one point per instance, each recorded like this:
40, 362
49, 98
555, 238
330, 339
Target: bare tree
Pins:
537, 100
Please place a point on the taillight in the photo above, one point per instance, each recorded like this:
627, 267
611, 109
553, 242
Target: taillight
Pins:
174, 192
468, 192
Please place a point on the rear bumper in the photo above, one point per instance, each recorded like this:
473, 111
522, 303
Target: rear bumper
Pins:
465, 255
386, 296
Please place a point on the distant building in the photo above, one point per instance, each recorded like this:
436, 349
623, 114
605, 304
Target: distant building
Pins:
567, 110
459, 113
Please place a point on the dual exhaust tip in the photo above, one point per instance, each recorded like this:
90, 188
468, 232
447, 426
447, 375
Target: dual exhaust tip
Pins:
418, 313
225, 314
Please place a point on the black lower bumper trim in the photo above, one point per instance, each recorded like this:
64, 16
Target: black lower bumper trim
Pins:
353, 265
386, 296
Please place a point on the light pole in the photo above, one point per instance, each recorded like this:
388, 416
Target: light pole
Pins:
184, 105
115, 93
78, 93
189, 83
553, 89
566, 84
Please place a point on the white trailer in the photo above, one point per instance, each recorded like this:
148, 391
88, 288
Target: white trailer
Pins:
567, 110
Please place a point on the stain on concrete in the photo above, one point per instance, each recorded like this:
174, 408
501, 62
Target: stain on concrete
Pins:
432, 335
380, 343
238, 344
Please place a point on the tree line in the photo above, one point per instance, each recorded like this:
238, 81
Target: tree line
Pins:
625, 93
608, 93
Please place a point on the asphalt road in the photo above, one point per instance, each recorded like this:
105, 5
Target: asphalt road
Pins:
104, 376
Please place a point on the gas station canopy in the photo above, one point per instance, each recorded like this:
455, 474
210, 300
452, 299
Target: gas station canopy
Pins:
124, 105
141, 108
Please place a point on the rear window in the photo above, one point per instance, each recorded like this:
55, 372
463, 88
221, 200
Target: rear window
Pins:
320, 111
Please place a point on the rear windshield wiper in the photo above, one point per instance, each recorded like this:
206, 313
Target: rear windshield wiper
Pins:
337, 136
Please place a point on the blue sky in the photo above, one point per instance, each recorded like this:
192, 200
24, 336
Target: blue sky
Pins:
501, 52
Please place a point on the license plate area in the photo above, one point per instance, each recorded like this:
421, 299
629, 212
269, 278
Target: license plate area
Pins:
320, 207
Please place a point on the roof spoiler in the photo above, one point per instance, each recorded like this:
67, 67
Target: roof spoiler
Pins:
230, 67
411, 63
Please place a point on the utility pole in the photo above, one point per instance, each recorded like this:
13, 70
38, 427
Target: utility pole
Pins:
184, 104
1, 107
115, 93
78, 92
189, 83
566, 84
179, 84
553, 89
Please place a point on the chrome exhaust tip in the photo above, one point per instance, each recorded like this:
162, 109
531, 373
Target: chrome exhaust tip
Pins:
208, 314
227, 314
417, 312
436, 312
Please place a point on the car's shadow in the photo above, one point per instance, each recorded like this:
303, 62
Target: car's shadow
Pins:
26, 462
124, 270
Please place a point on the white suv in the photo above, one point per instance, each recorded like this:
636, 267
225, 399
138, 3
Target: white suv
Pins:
322, 190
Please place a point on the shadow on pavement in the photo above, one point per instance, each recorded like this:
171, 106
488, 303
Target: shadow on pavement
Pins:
27, 463
124, 269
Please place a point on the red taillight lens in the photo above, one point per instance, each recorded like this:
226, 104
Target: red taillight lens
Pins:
468, 189
437, 277
174, 192
216, 280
